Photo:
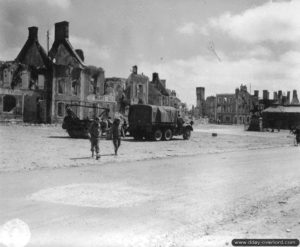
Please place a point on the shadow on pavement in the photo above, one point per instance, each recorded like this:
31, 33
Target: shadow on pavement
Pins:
60, 137
173, 139
90, 157
81, 158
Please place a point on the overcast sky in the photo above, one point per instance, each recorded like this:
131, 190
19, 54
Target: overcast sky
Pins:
216, 44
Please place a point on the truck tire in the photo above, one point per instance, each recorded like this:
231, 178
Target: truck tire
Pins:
186, 134
157, 135
168, 135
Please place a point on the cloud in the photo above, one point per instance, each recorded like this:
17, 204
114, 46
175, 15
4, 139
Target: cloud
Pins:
256, 52
64, 4
188, 28
93, 53
9, 54
223, 77
273, 21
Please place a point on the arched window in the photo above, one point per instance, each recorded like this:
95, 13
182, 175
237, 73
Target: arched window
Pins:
9, 103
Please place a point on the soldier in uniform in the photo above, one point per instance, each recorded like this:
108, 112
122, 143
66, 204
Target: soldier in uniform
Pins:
95, 133
116, 131
296, 132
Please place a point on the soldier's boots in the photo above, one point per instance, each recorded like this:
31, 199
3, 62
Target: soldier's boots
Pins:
92, 154
97, 156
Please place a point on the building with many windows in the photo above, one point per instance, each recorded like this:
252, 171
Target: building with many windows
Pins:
74, 83
235, 108
36, 86
139, 90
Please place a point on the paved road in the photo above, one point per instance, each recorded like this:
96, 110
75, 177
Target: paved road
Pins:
167, 202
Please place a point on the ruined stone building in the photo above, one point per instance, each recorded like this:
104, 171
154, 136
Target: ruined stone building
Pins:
199, 110
210, 109
158, 94
200, 94
139, 90
295, 100
137, 87
235, 108
174, 100
74, 82
36, 86
25, 83
114, 87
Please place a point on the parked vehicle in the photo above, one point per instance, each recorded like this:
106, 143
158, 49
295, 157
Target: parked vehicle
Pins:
157, 123
79, 128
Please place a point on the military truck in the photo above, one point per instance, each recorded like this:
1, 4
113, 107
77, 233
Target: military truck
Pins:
79, 128
157, 123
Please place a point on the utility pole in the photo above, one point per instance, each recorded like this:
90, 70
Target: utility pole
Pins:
47, 41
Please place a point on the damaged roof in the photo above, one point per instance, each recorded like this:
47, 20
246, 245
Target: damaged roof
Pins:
32, 45
70, 49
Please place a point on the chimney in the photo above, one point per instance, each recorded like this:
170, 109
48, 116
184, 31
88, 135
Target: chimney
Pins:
265, 94
200, 93
163, 82
80, 54
256, 93
288, 97
280, 96
275, 96
33, 33
134, 69
155, 77
61, 30
237, 91
295, 99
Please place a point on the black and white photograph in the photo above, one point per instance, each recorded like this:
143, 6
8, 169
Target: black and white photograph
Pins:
149, 123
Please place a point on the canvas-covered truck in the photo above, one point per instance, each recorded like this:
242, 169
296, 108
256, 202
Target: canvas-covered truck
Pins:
157, 123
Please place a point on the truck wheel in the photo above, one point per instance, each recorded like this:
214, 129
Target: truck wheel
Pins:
168, 135
186, 134
157, 135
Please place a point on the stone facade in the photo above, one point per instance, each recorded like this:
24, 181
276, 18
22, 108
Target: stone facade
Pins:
210, 108
139, 90
73, 82
200, 94
115, 87
36, 86
160, 95
137, 87
25, 83
235, 108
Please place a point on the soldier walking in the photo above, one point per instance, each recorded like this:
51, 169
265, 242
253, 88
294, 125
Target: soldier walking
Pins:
95, 133
116, 131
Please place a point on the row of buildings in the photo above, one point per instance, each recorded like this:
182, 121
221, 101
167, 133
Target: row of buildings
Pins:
37, 85
237, 107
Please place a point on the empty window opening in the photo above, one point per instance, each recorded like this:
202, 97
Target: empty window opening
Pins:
9, 103
75, 87
60, 109
61, 86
